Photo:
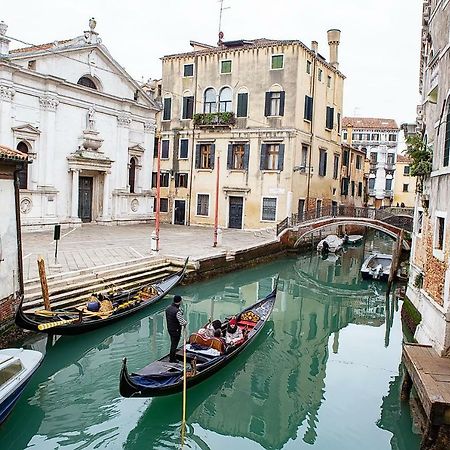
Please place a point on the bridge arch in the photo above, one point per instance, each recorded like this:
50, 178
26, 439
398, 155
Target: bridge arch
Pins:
390, 230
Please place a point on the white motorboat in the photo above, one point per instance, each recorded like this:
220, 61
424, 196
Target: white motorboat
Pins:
377, 267
331, 243
16, 368
353, 239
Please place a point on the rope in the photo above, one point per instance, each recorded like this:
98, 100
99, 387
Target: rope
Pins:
183, 421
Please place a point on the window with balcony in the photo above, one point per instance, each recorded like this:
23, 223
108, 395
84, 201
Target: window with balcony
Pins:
274, 105
225, 100
202, 204
204, 156
238, 156
209, 101
272, 157
269, 208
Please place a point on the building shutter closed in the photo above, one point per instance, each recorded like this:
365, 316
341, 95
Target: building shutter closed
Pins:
267, 104
282, 101
242, 105
246, 155
262, 163
230, 157
281, 157
212, 156
197, 156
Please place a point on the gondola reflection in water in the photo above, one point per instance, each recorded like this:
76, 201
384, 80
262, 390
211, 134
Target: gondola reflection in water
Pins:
162, 377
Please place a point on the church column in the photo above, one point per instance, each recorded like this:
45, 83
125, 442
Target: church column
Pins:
105, 212
48, 104
75, 187
123, 132
147, 162
6, 97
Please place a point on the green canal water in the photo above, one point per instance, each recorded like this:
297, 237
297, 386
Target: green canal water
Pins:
324, 373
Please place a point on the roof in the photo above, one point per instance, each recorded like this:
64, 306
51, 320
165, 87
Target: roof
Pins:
370, 122
37, 48
10, 154
403, 159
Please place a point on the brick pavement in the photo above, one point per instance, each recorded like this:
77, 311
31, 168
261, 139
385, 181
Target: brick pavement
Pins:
95, 245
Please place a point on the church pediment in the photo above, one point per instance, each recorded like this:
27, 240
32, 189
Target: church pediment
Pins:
136, 150
26, 129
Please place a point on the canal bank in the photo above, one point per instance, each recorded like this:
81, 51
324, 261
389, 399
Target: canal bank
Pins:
325, 373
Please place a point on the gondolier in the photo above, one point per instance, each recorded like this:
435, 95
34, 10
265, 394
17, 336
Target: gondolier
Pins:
175, 322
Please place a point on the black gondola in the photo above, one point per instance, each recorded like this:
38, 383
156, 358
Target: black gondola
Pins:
76, 320
162, 377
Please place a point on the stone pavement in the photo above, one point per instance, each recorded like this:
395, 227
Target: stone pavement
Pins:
96, 245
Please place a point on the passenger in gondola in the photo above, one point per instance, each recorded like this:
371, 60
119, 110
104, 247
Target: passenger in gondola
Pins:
234, 334
175, 322
209, 330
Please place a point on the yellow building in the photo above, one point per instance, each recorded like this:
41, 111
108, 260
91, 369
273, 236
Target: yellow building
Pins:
268, 113
404, 183
353, 176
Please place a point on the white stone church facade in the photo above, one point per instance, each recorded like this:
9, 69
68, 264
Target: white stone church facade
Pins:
87, 127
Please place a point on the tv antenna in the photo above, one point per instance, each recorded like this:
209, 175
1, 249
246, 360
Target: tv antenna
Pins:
222, 8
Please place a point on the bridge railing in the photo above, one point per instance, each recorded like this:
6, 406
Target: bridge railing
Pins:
357, 212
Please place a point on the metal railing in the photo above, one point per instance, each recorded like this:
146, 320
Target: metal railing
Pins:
332, 211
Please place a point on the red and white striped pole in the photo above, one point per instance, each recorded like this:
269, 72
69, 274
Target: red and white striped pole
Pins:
216, 215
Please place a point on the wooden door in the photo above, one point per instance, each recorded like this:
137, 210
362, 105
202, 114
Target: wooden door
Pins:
85, 199
180, 212
236, 206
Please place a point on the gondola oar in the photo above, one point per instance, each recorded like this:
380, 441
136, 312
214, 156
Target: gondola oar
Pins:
183, 421
46, 326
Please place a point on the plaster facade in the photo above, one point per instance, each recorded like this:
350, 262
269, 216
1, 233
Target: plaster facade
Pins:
429, 282
84, 122
404, 183
276, 151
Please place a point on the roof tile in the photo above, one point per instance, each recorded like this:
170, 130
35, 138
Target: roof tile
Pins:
370, 122
9, 153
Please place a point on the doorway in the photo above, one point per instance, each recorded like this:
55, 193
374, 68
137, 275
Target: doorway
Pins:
179, 214
236, 206
85, 199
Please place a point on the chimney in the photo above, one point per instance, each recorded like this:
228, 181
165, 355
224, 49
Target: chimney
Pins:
314, 46
4, 41
334, 38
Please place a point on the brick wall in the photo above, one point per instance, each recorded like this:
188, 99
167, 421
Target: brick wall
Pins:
7, 310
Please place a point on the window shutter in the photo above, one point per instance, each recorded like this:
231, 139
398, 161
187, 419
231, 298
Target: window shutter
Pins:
190, 107
242, 105
282, 99
281, 157
197, 156
212, 156
185, 107
267, 105
246, 155
230, 157
262, 163
308, 108
167, 108
325, 157
154, 175
177, 180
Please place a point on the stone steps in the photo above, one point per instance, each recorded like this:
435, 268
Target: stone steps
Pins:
72, 290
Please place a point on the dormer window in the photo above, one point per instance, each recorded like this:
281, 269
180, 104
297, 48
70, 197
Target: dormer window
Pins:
87, 82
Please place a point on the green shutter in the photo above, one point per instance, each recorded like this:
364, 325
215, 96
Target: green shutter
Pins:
197, 156
282, 100
212, 156
262, 161
281, 157
246, 156
267, 104
230, 157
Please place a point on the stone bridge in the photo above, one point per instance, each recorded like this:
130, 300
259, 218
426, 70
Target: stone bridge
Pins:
390, 220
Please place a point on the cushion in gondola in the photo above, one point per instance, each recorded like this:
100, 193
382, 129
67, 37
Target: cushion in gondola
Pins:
93, 306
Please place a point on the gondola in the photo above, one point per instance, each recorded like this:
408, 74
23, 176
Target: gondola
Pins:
162, 377
77, 319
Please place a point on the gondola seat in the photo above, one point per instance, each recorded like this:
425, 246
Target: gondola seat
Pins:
214, 342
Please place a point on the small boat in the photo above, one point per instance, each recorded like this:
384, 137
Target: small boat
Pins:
87, 317
331, 243
16, 367
377, 267
163, 377
353, 239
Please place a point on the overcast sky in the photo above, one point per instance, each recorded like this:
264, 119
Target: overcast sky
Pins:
379, 51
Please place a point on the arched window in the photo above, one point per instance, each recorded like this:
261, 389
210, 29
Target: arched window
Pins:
87, 82
447, 138
225, 98
23, 174
210, 101
132, 175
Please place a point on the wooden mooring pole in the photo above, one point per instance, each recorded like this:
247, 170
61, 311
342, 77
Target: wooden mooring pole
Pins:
395, 261
44, 286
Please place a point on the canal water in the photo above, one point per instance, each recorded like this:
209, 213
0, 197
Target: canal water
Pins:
324, 373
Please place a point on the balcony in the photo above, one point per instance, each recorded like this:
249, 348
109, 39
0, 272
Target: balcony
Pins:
389, 193
371, 192
389, 166
213, 120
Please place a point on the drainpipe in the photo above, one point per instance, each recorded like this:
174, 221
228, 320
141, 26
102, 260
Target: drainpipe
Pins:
18, 229
188, 222
312, 91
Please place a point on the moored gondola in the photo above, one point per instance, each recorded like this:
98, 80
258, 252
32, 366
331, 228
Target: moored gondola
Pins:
80, 319
162, 377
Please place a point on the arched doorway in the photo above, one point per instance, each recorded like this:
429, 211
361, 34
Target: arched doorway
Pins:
132, 175
23, 174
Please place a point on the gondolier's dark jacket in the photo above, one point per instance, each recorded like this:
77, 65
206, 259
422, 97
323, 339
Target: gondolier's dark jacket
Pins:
175, 319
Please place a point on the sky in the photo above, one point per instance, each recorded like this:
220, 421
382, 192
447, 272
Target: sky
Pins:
379, 50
